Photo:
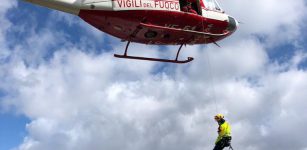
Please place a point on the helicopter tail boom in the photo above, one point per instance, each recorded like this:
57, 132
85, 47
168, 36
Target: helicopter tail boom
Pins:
69, 6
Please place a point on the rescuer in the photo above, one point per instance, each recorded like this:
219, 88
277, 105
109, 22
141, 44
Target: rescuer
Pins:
224, 133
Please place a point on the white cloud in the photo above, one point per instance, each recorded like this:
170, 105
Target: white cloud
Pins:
89, 106
5, 24
241, 58
277, 20
5, 5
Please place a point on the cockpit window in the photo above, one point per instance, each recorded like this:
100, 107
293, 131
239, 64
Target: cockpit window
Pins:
212, 5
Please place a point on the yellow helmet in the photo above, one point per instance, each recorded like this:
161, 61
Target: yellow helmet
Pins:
218, 117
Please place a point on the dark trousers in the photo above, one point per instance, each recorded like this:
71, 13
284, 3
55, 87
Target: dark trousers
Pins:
224, 142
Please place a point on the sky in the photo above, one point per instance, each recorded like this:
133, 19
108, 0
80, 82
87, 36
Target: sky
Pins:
61, 88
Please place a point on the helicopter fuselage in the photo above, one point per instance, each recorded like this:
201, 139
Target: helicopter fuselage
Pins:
159, 22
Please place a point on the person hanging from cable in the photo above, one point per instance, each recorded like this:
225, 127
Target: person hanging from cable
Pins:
224, 133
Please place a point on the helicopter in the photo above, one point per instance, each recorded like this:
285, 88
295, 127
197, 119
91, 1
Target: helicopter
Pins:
154, 22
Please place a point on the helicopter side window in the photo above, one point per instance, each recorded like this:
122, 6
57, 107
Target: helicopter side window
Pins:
209, 4
217, 6
212, 5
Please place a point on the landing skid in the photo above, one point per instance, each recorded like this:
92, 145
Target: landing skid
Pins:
154, 59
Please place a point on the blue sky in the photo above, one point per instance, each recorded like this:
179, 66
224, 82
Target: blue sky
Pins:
60, 82
12, 130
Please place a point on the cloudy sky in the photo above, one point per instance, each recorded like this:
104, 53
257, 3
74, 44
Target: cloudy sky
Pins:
61, 88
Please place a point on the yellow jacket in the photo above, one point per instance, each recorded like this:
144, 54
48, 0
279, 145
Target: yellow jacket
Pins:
224, 130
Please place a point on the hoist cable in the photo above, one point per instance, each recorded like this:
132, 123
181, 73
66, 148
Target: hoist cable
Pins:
212, 82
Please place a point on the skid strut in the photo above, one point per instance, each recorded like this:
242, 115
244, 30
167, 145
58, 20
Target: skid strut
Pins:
154, 59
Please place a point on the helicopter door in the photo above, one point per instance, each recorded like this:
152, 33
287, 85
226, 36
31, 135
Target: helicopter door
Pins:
191, 6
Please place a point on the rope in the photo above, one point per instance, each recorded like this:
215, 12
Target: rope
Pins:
212, 83
230, 147
210, 74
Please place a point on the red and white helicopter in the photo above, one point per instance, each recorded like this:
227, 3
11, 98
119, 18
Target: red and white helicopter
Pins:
158, 22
